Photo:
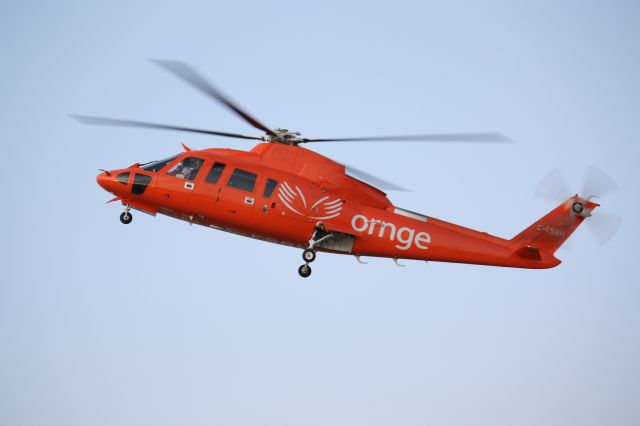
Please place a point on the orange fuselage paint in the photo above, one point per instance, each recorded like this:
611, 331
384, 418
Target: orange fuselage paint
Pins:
311, 189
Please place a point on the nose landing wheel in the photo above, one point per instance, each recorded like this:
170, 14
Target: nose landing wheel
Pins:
126, 217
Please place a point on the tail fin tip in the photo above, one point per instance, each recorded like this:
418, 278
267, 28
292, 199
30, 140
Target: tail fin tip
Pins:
550, 231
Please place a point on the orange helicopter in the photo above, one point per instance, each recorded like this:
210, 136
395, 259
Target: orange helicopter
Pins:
283, 193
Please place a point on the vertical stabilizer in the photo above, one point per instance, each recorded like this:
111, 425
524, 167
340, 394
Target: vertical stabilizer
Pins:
552, 230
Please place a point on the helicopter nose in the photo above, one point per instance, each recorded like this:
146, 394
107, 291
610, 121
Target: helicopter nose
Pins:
105, 179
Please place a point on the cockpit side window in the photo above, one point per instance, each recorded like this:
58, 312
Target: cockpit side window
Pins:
187, 168
156, 166
214, 173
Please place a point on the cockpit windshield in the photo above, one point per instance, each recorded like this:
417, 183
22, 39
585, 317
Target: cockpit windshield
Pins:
156, 166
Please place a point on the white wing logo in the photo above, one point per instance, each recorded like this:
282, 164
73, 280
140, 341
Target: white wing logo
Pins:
295, 201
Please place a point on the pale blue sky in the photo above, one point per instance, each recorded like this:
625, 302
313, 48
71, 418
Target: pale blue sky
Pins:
104, 324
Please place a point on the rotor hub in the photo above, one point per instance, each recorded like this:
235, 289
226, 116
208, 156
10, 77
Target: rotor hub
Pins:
581, 207
577, 207
284, 136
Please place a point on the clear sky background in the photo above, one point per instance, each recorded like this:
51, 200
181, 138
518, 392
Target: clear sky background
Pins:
158, 323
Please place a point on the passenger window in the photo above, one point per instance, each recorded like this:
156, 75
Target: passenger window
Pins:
140, 183
243, 180
269, 187
186, 169
123, 178
215, 173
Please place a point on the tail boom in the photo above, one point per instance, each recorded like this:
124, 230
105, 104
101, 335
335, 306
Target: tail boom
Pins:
532, 248
436, 240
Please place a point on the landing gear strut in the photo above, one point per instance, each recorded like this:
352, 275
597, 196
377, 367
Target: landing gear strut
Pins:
309, 255
126, 217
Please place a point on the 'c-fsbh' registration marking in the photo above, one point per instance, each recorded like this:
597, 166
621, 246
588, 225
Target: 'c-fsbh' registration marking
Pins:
550, 230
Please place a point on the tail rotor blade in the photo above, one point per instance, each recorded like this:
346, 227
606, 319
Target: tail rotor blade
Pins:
598, 183
553, 187
604, 226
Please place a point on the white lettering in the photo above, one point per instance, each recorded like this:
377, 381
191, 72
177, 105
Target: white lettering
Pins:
391, 226
422, 237
406, 241
372, 224
405, 236
354, 222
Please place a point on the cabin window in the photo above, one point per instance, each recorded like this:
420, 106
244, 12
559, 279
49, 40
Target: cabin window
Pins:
215, 172
140, 183
269, 187
187, 168
123, 178
156, 166
241, 179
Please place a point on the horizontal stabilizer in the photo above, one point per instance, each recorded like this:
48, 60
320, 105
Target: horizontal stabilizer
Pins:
529, 252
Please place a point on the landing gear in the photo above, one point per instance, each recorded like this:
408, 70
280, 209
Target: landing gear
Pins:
308, 255
320, 234
304, 270
126, 217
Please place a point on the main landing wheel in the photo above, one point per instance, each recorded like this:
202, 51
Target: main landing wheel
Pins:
304, 270
126, 218
308, 255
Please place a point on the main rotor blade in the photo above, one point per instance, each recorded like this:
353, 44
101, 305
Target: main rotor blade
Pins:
130, 123
444, 137
373, 180
189, 75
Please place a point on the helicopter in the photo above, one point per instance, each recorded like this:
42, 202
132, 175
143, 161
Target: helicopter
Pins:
283, 193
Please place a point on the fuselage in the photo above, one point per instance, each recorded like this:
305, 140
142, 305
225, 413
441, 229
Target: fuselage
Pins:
280, 193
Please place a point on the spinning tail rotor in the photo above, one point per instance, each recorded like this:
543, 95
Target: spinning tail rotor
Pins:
596, 184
